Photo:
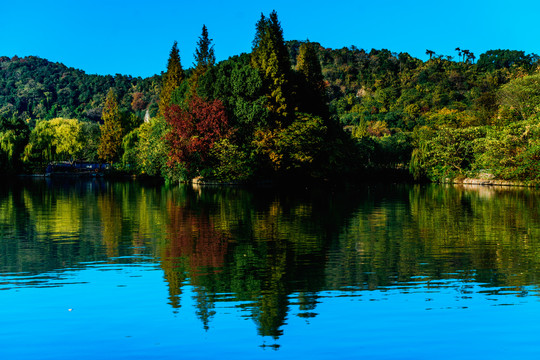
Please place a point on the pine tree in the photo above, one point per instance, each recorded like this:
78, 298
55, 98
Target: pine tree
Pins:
204, 54
271, 57
204, 59
171, 79
111, 130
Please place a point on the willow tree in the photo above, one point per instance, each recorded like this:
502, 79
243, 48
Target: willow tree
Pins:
110, 140
171, 79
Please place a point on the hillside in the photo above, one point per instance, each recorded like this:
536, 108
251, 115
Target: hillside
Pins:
362, 86
35, 88
281, 111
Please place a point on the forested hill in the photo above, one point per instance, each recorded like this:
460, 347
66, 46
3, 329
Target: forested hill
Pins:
280, 112
363, 87
35, 88
403, 91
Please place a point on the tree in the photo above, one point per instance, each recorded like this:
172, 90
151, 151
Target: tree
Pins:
499, 59
14, 135
312, 95
204, 59
522, 95
171, 79
67, 138
204, 54
56, 139
271, 57
111, 130
151, 149
193, 134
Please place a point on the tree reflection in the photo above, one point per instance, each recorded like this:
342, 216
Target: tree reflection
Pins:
192, 247
273, 252
261, 251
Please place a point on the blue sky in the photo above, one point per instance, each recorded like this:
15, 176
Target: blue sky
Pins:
134, 37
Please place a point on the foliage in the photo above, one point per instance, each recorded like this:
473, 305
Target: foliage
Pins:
499, 59
312, 95
286, 106
57, 140
271, 57
233, 164
444, 153
90, 134
522, 94
14, 135
110, 140
130, 150
172, 79
204, 59
512, 152
296, 146
204, 54
32, 87
152, 152
193, 133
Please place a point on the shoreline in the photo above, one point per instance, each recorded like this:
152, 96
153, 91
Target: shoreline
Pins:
488, 182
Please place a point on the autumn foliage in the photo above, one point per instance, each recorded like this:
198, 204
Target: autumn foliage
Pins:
194, 131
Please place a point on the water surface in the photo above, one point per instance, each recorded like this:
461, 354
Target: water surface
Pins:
103, 270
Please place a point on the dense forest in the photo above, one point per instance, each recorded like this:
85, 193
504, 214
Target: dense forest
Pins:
288, 109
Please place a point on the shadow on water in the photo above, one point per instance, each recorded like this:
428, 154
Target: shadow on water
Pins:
271, 251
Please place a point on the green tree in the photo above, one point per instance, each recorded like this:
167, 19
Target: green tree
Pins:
129, 156
152, 151
444, 153
40, 147
111, 130
204, 54
204, 59
313, 92
14, 135
294, 148
171, 79
271, 57
55, 140
90, 136
522, 94
67, 138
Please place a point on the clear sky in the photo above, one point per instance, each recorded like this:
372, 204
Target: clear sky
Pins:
134, 37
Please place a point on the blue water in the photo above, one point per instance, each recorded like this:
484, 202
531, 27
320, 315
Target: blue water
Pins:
382, 280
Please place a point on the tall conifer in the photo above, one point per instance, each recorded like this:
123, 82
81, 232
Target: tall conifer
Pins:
111, 130
204, 53
271, 57
204, 59
313, 92
171, 79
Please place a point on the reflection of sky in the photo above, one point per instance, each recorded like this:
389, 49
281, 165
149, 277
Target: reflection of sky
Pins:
122, 312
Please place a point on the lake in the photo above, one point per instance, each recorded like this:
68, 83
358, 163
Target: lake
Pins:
91, 269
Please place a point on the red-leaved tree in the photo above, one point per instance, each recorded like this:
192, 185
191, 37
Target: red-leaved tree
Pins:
194, 132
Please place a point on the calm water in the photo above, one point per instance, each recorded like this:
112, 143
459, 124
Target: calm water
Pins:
99, 270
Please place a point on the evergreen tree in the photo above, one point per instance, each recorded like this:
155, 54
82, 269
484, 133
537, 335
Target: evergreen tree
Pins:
171, 79
204, 59
204, 54
111, 130
313, 92
271, 57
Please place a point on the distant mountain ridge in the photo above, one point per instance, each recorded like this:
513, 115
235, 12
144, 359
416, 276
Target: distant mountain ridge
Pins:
33, 87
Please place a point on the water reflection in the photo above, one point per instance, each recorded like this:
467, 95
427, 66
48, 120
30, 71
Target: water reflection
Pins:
272, 254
